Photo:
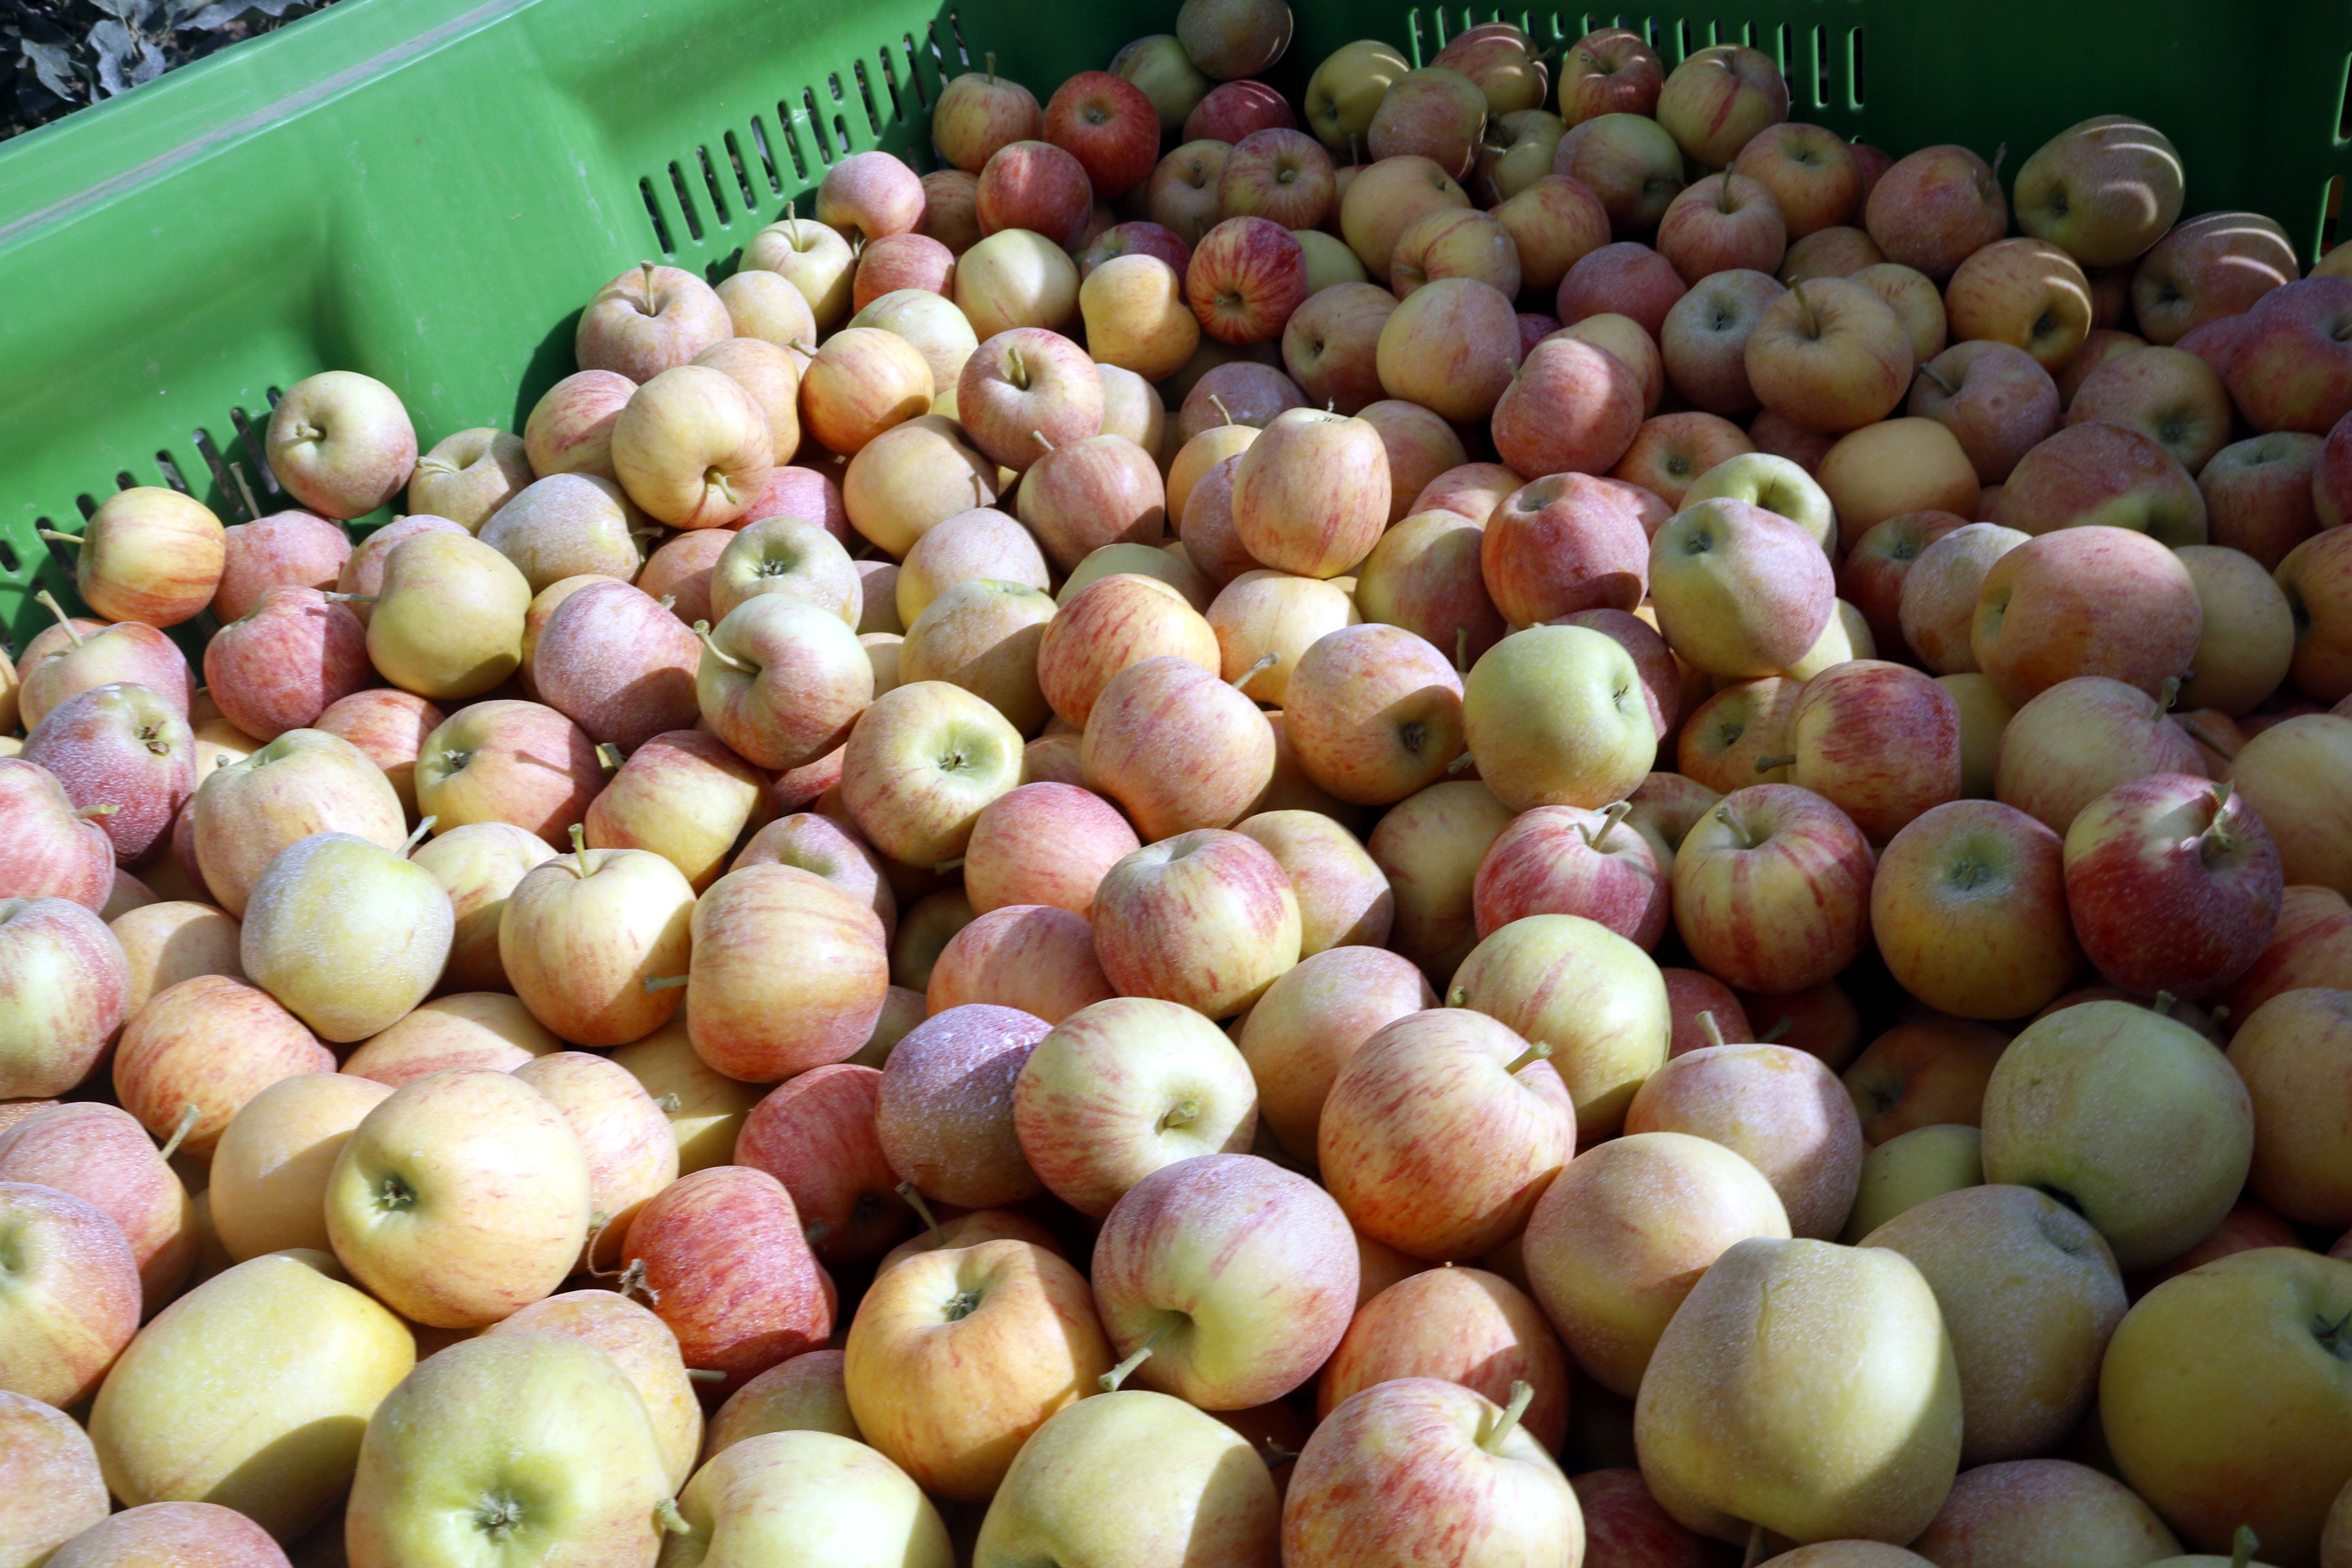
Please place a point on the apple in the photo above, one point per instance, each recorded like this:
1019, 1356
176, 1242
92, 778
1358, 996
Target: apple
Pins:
1989, 869
569, 429
1839, 251
1704, 341
2008, 1515
1719, 98
2080, 1099
2212, 266
75, 655
721, 1255
1629, 161
2247, 643
2183, 843
568, 525
1686, 1199
1898, 465
1434, 112
1778, 1108
979, 113
1705, 1418
1829, 355
1625, 278
291, 547
69, 983
505, 760
1503, 1497
2281, 1051
957, 1071
1176, 747
1587, 744
1389, 197
1739, 591
1311, 495
2265, 495
73, 1306
2286, 371
1517, 152
1571, 408
2169, 394
1452, 346
1265, 620
1994, 397
1453, 243
1912, 296
648, 320
101, 1154
1771, 889
445, 1432
2085, 600
1554, 222
1879, 741
56, 1491
2306, 949
2027, 293
448, 620
1871, 577
341, 444
2106, 190
161, 1436
1740, 736
1935, 208
2027, 1331
2317, 577
864, 381
1375, 714
2266, 1457
125, 760
1809, 171
1207, 918
753, 1022
1937, 606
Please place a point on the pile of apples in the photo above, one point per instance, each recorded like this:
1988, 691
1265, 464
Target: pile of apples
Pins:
1219, 856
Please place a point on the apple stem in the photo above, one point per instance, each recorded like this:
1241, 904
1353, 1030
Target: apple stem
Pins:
1461, 650
1609, 821
580, 850
923, 1211
1932, 374
106, 809
1755, 1552
646, 270
335, 598
2198, 733
990, 58
705, 1374
1723, 192
1039, 437
632, 1282
1184, 1113
408, 847
666, 1512
1539, 1051
2242, 1546
50, 602
1462, 764
1998, 153
1108, 1382
1781, 760
54, 537
1224, 413
702, 631
610, 755
2162, 1005
2169, 695
1020, 376
1713, 1030
1521, 1394
1265, 661
1777, 1033
186, 1124
669, 1104
946, 867
1738, 834
1276, 1455
1805, 307
663, 982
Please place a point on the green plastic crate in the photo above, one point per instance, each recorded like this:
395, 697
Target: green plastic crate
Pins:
429, 190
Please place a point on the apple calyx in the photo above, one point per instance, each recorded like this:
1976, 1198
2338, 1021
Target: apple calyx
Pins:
1714, 1031
702, 634
54, 537
1609, 821
393, 1196
106, 808
1108, 1382
1805, 309
1184, 1113
497, 1516
634, 1283
962, 1305
50, 602
1539, 1051
923, 1211
1521, 1394
669, 1104
1265, 662
186, 1124
665, 1514
408, 845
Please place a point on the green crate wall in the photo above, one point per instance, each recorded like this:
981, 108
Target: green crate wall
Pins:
428, 190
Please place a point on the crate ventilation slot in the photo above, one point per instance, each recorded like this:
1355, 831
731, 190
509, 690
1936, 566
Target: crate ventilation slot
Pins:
693, 201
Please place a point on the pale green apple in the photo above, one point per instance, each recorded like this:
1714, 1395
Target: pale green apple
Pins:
347, 935
1557, 716
251, 1392
2226, 1397
786, 1499
1806, 1387
1132, 1479
1777, 484
1909, 1169
806, 1394
448, 620
461, 1199
1346, 91
1595, 998
508, 1450
2130, 1118
2029, 1296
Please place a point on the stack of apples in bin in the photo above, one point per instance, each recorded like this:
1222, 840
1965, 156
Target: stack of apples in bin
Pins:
1519, 816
